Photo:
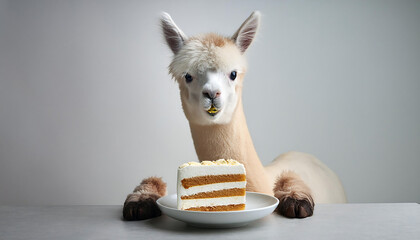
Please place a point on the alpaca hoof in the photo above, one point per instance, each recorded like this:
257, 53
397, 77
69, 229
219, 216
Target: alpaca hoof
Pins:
295, 208
141, 210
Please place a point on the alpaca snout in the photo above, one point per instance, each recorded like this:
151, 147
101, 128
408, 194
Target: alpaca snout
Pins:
211, 94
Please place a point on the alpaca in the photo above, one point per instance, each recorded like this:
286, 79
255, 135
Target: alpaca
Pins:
209, 70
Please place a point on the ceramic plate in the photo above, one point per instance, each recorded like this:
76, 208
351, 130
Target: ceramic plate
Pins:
257, 206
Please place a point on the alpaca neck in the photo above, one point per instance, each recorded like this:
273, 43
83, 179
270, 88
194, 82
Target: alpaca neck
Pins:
232, 141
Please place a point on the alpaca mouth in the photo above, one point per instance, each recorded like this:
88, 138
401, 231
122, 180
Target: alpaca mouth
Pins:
212, 110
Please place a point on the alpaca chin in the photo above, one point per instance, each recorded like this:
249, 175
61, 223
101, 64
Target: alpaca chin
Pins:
204, 118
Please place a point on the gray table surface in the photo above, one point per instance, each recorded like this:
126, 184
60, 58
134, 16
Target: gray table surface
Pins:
330, 221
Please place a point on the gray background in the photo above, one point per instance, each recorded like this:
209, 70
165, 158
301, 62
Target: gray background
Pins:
87, 108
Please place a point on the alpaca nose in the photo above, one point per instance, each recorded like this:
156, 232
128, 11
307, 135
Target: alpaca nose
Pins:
211, 94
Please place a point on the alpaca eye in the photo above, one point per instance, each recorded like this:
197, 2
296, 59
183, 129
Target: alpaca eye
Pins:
188, 78
232, 75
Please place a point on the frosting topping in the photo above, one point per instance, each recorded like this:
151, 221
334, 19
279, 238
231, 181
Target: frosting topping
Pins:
211, 163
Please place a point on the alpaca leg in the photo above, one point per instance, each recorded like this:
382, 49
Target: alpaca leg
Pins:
294, 195
141, 204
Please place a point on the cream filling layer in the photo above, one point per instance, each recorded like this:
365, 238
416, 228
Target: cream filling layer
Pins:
189, 203
210, 187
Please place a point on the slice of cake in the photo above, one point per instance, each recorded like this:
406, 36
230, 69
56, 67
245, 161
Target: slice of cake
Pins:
211, 186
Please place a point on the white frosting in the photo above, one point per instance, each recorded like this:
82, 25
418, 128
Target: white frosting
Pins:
204, 170
212, 163
189, 203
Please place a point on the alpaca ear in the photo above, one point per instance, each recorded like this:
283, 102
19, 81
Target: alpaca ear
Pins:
246, 33
173, 35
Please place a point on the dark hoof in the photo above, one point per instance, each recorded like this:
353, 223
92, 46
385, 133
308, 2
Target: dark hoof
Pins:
294, 208
141, 210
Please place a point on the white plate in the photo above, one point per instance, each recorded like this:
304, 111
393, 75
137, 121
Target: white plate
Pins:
257, 206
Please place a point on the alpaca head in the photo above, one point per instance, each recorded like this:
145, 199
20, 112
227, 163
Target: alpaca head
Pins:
209, 69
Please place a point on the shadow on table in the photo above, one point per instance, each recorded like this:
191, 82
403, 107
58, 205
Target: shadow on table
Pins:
166, 223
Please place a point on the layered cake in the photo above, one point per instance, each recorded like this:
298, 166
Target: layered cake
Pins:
211, 186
